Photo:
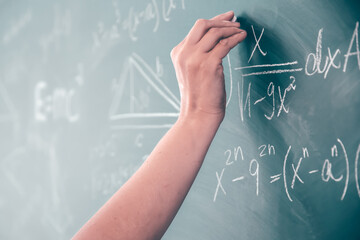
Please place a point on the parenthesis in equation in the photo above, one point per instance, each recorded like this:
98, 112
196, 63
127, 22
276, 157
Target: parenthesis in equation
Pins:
157, 21
356, 170
284, 174
231, 80
347, 169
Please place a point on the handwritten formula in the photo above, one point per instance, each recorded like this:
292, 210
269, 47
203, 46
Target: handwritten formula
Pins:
318, 61
152, 14
292, 172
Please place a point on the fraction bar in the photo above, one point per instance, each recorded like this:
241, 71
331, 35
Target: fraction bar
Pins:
268, 65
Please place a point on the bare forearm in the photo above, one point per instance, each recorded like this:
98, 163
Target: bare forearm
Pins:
151, 198
145, 206
170, 170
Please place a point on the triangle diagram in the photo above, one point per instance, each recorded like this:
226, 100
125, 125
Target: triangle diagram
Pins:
141, 99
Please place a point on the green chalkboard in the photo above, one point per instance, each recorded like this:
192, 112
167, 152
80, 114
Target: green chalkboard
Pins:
87, 89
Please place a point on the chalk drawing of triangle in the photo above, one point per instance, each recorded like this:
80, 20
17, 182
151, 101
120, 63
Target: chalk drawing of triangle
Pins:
141, 98
6, 107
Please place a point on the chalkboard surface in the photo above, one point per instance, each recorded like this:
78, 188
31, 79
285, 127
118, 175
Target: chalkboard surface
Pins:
87, 89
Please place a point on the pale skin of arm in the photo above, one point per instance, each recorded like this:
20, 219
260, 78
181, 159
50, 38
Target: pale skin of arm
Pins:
145, 205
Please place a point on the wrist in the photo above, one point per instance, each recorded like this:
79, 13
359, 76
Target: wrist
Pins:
202, 109
200, 119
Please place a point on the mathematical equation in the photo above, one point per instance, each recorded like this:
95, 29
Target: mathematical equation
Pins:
316, 63
151, 13
58, 103
289, 179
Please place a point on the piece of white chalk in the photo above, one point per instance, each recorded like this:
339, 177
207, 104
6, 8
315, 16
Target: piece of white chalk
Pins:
234, 19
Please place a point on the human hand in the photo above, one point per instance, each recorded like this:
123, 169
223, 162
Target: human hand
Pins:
198, 65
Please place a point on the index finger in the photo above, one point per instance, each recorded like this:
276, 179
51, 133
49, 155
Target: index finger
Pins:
228, 16
202, 26
225, 45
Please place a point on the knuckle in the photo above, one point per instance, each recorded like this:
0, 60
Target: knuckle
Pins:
173, 53
176, 52
225, 42
203, 23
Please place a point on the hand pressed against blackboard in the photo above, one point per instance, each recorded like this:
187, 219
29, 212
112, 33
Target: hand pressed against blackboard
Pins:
197, 61
145, 205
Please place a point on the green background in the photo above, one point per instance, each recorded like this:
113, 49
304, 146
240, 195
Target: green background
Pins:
87, 89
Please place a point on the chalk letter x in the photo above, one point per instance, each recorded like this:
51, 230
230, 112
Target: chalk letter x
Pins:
219, 185
257, 43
